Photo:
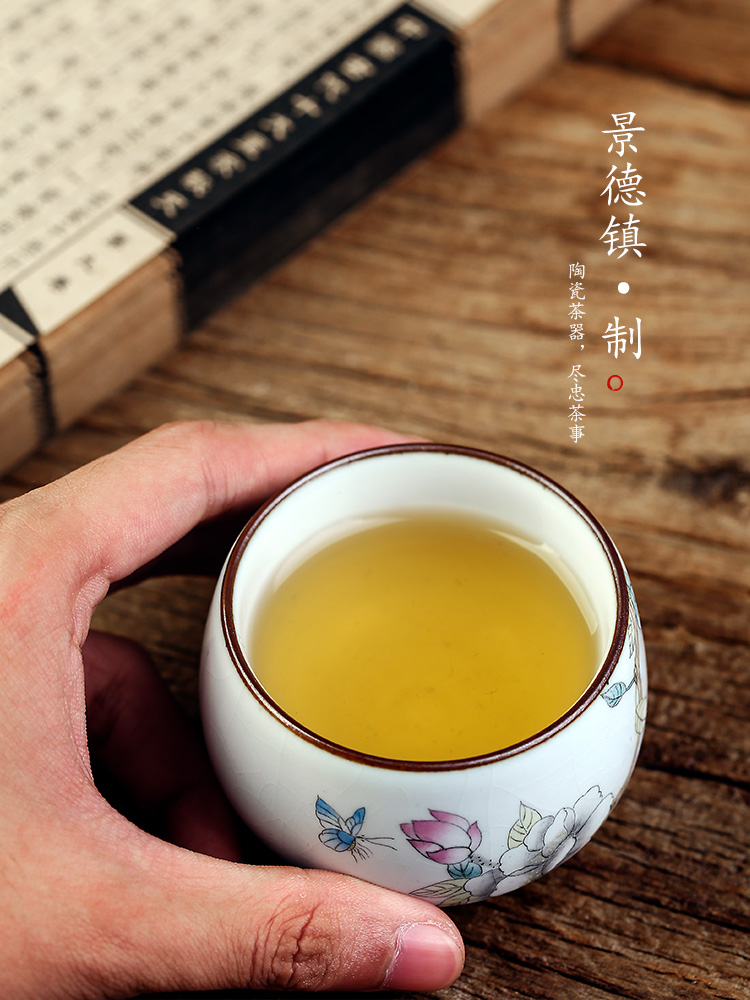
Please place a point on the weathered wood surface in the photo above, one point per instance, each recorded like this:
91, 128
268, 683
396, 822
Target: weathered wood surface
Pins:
440, 308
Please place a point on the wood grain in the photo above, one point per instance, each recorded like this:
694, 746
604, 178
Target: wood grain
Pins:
439, 307
701, 42
583, 19
18, 409
142, 319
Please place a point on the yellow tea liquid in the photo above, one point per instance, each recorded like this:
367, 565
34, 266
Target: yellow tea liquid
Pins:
428, 637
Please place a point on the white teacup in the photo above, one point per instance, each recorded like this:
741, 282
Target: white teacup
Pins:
449, 831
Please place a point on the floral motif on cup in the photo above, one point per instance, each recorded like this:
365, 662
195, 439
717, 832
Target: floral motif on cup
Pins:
615, 692
535, 845
447, 839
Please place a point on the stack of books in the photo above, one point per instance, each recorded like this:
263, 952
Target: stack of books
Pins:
158, 158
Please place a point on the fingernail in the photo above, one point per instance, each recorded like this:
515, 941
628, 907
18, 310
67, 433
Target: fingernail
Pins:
427, 958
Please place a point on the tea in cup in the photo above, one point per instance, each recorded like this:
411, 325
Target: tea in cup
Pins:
424, 635
423, 666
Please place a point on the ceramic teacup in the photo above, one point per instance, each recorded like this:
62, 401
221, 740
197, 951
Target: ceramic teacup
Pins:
451, 831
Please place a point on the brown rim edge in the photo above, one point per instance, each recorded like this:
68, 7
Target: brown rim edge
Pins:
591, 693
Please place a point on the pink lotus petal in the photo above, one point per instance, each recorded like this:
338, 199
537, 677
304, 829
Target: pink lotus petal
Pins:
425, 847
475, 836
409, 831
445, 834
449, 856
444, 817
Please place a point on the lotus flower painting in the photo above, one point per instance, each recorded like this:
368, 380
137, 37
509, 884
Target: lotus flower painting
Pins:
536, 843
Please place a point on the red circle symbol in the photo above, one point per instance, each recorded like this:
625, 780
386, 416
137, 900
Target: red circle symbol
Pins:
614, 388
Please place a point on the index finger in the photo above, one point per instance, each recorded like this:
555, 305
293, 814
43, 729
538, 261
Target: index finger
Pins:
106, 519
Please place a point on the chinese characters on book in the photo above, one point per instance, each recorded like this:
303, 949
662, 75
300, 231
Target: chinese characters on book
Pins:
117, 146
621, 236
334, 84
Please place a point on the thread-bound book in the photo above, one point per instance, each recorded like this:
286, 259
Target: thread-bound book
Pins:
156, 158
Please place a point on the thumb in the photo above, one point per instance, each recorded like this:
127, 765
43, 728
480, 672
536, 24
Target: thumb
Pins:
206, 924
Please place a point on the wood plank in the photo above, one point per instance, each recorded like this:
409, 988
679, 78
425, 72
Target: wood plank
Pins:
702, 42
143, 322
586, 18
19, 404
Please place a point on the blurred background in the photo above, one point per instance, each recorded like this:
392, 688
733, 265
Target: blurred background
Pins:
439, 306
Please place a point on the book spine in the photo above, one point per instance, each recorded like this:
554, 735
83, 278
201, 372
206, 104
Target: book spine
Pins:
231, 211
249, 198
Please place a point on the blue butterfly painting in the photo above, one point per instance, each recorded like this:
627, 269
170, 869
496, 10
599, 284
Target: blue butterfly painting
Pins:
344, 834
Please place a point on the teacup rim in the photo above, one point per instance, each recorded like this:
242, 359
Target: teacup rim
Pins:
253, 684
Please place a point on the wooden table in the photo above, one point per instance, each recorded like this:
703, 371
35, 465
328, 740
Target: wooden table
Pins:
440, 308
